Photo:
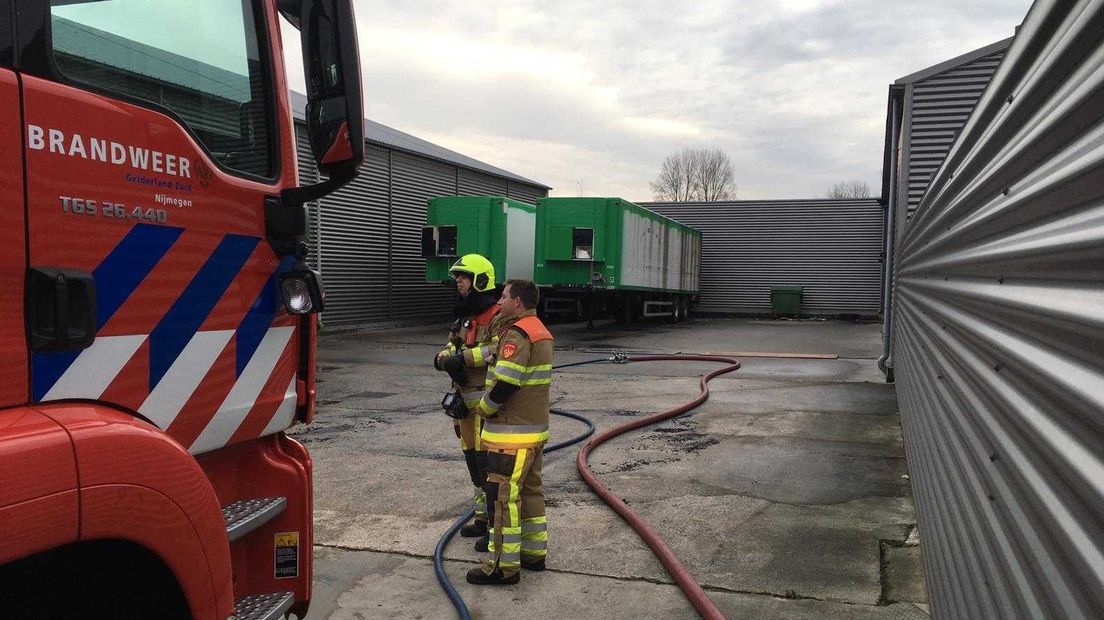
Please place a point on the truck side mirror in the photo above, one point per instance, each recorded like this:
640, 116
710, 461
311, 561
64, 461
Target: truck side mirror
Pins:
331, 61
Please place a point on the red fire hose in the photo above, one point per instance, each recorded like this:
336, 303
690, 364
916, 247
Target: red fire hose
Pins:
678, 572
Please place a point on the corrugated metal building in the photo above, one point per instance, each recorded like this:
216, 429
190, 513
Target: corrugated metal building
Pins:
832, 248
999, 337
934, 105
926, 111
366, 237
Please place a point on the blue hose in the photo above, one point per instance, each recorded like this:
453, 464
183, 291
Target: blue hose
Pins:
439, 550
439, 565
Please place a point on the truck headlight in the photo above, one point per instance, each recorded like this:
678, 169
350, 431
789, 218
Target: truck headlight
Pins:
302, 290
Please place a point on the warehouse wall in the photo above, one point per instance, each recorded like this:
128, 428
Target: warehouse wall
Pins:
927, 110
999, 332
366, 237
936, 108
832, 248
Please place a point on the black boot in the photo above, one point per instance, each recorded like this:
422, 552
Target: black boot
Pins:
536, 565
481, 544
475, 528
478, 577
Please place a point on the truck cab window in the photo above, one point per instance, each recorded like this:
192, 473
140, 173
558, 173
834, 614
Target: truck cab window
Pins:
201, 59
5, 35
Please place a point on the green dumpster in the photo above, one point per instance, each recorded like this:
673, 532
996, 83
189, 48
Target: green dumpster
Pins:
786, 300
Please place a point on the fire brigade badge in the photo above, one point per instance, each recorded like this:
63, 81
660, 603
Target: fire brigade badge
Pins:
204, 175
508, 351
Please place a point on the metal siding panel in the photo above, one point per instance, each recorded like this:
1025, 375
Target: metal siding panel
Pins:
347, 236
352, 232
521, 243
940, 106
354, 228
526, 193
830, 247
414, 181
997, 337
478, 184
639, 260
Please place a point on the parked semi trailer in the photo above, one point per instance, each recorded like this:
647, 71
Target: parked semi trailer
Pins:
596, 255
498, 228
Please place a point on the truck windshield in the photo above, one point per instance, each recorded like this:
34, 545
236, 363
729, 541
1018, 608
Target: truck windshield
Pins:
201, 59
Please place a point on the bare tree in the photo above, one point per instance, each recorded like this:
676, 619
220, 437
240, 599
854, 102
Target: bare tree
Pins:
714, 179
695, 174
676, 179
849, 189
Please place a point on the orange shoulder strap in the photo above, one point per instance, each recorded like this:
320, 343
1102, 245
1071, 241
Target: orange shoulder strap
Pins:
533, 328
483, 319
487, 315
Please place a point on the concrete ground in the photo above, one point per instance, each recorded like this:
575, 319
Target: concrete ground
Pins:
786, 494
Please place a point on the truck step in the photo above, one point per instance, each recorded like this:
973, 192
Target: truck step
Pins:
263, 606
244, 516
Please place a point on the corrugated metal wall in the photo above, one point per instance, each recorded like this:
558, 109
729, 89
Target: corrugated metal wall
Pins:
354, 245
414, 181
999, 343
832, 248
366, 237
935, 110
525, 193
926, 112
472, 183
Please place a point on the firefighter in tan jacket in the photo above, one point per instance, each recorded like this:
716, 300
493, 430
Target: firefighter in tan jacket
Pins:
471, 344
515, 408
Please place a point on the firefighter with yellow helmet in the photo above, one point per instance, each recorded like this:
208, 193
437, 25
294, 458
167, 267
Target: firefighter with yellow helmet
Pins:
471, 342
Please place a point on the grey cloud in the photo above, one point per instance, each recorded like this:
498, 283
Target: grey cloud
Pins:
797, 100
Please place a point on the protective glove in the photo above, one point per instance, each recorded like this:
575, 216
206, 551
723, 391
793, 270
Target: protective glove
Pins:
451, 363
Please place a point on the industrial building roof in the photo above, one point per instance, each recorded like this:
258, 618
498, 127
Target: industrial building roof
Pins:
390, 137
897, 96
957, 61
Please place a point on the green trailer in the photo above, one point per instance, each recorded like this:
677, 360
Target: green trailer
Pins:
608, 254
499, 228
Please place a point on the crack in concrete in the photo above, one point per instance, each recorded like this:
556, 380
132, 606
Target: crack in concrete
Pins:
720, 492
593, 346
883, 565
788, 595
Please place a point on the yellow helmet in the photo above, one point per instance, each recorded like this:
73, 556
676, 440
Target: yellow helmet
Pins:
480, 269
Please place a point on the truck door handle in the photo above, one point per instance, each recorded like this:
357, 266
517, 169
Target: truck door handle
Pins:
61, 309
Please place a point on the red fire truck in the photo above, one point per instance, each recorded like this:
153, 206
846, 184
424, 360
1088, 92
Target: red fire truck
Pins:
162, 333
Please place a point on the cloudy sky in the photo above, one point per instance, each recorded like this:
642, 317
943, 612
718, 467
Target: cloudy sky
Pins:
588, 97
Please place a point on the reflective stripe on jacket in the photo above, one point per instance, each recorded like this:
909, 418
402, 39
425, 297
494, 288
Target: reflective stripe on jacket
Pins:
516, 399
480, 341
